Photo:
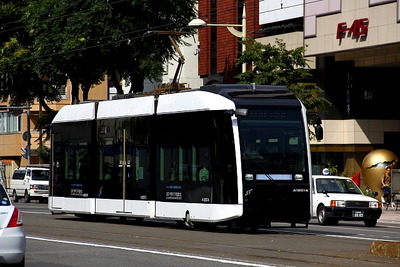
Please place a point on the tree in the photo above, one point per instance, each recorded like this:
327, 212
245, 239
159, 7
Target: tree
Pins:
276, 65
84, 40
19, 82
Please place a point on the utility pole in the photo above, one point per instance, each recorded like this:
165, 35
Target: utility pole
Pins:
28, 130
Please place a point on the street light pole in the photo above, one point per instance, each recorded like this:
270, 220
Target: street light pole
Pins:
199, 23
28, 129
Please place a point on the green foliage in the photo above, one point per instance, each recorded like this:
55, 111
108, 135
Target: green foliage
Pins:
276, 65
45, 42
367, 191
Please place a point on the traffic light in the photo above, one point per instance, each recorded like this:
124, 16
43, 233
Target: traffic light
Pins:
25, 151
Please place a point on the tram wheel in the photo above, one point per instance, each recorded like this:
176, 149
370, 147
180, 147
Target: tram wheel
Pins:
188, 222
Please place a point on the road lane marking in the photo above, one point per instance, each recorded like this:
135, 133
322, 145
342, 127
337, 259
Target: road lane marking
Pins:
174, 254
338, 236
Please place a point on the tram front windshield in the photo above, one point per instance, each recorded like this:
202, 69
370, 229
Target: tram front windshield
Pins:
273, 142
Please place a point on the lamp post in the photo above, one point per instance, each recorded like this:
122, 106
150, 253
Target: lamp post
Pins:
199, 23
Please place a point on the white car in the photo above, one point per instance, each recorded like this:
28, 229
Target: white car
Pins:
338, 198
12, 234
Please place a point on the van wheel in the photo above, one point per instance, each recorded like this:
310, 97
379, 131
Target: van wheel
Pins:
321, 214
370, 222
27, 198
14, 196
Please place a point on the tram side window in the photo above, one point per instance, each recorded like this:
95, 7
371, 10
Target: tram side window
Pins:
140, 163
184, 163
106, 160
76, 162
168, 168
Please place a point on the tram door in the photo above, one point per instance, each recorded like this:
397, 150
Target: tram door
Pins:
115, 164
133, 175
125, 170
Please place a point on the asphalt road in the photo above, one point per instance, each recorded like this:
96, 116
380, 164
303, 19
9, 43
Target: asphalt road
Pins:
65, 240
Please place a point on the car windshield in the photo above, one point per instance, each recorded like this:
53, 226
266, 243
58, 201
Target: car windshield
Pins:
332, 185
40, 175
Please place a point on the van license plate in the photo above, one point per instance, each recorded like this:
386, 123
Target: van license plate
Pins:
358, 214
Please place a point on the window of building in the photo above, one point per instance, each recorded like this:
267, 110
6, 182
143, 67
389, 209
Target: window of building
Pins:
9, 123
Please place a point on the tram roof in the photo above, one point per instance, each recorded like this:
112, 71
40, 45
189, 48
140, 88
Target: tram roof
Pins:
193, 101
81, 112
250, 91
189, 101
207, 98
255, 95
130, 107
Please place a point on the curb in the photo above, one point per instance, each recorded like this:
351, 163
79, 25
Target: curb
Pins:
385, 248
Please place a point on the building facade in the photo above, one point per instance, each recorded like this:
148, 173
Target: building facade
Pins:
356, 46
19, 129
353, 48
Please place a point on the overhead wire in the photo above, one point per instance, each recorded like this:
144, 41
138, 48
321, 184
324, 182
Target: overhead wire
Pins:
125, 36
51, 18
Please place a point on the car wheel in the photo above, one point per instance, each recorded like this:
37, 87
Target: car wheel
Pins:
333, 221
321, 214
370, 222
14, 196
27, 198
22, 263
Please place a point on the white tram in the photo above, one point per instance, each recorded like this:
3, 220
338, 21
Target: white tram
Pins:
218, 154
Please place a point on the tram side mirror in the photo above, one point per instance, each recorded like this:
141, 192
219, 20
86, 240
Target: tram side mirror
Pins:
319, 132
241, 112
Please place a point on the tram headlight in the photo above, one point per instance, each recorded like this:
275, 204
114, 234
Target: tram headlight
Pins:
298, 177
249, 177
241, 112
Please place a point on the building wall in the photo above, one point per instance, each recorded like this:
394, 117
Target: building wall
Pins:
356, 132
357, 70
321, 24
227, 45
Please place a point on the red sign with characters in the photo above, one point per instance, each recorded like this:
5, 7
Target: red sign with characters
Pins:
358, 28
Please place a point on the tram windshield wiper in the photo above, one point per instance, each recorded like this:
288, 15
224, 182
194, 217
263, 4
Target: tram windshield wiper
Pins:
271, 179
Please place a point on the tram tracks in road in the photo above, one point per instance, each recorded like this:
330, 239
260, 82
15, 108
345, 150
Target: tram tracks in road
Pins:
268, 246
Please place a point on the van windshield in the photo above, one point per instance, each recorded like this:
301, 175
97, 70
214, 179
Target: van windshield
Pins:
40, 175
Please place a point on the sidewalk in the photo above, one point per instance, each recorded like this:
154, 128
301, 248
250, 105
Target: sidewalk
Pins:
386, 248
390, 215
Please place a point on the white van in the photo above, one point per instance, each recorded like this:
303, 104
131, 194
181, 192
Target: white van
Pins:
338, 198
30, 183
